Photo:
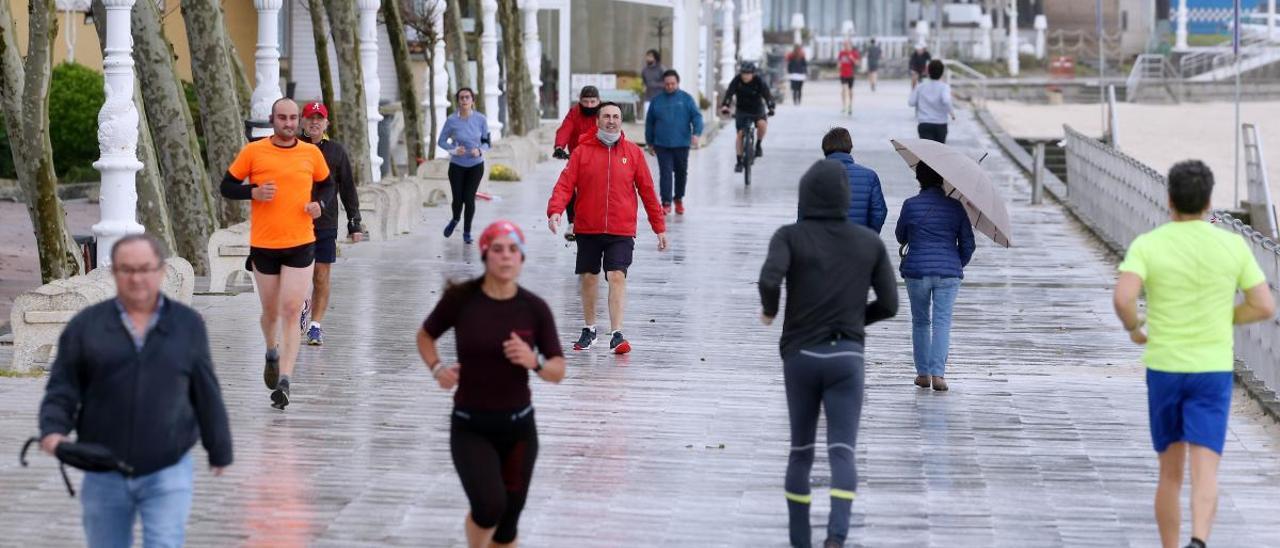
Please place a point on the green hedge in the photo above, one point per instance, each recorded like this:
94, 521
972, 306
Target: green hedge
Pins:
75, 97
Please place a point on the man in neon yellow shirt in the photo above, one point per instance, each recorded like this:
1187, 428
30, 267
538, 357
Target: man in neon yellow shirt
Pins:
1191, 272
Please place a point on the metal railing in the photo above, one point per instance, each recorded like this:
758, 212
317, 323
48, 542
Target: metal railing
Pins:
1120, 198
1150, 68
1258, 344
1116, 195
892, 48
961, 74
1203, 61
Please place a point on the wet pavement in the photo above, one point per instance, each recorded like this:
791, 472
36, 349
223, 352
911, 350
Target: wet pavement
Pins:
1042, 440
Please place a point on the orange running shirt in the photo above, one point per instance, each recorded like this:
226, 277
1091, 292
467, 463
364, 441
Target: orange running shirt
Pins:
283, 222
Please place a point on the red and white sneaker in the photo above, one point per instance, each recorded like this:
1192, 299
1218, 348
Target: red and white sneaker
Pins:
679, 207
618, 344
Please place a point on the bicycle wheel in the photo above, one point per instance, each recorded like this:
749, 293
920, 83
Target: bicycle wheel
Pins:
748, 154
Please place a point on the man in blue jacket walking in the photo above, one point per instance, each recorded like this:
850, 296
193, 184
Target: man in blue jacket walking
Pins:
866, 205
671, 126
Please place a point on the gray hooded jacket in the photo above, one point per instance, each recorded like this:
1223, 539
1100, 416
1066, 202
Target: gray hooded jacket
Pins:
828, 264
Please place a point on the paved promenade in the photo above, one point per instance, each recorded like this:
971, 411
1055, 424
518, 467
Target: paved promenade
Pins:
1042, 440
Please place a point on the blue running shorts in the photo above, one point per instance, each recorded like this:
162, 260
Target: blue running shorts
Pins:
1190, 407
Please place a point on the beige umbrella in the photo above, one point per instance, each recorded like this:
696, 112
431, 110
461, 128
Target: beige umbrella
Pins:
964, 180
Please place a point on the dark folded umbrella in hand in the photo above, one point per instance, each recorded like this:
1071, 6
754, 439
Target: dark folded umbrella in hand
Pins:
89, 457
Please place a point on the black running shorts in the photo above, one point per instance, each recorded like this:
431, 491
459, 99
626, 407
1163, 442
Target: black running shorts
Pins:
744, 119
613, 252
269, 261
847, 82
326, 245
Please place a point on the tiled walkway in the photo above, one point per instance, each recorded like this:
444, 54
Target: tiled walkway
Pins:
1042, 440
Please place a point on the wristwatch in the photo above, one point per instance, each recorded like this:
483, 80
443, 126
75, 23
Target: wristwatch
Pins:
538, 368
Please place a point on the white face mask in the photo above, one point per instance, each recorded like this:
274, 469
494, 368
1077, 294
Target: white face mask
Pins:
609, 139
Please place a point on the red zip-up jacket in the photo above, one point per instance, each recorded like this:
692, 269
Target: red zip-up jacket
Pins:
607, 180
574, 126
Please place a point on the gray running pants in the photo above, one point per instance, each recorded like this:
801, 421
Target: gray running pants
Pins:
829, 375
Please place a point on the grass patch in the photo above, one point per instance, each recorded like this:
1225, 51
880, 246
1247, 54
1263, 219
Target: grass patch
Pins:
10, 374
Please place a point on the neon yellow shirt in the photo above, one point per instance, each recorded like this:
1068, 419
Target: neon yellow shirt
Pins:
1191, 271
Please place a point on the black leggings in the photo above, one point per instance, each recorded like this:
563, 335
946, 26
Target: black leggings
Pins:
494, 455
797, 86
464, 182
829, 376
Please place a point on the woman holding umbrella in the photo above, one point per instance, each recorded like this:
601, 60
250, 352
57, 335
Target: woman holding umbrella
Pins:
935, 231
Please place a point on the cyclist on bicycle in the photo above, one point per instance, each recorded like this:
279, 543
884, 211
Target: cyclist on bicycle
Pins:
752, 97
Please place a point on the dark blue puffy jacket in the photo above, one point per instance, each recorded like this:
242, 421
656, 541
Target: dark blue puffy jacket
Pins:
866, 207
938, 236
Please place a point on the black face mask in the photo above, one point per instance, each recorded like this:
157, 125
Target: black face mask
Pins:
589, 111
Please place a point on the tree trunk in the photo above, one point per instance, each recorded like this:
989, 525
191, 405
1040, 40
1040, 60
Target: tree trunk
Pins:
24, 93
352, 121
455, 43
522, 101
190, 196
320, 33
244, 91
409, 104
222, 113
153, 210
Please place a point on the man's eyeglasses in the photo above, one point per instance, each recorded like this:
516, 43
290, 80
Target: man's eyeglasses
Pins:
125, 270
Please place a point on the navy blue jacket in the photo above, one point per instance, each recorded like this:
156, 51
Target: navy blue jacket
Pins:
150, 406
936, 230
672, 120
866, 207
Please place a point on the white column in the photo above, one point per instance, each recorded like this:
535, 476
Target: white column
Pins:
1271, 19
266, 66
489, 49
117, 136
922, 32
728, 44
440, 77
1042, 26
847, 29
1012, 54
984, 52
372, 85
679, 45
752, 42
533, 47
1180, 42
797, 28
757, 29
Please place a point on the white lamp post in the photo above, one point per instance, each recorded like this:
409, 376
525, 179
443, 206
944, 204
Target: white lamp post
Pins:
1180, 40
1012, 54
1042, 26
728, 44
440, 80
489, 49
266, 66
532, 46
117, 136
372, 85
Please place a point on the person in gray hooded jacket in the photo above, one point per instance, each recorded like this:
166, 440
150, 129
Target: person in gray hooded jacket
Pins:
828, 264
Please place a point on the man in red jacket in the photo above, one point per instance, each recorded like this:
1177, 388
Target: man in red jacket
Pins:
607, 173
581, 120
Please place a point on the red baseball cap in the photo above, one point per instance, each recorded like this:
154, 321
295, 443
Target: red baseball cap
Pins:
313, 108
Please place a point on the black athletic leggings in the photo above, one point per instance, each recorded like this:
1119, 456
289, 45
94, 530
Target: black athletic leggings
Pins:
828, 376
464, 182
494, 455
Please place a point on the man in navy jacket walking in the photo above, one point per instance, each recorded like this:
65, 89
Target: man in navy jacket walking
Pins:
866, 204
671, 126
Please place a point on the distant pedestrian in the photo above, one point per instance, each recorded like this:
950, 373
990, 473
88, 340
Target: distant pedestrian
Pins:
651, 74
932, 101
828, 264
848, 64
610, 176
503, 332
918, 63
797, 72
580, 121
671, 128
466, 136
133, 374
873, 62
866, 204
315, 122
935, 230
1190, 272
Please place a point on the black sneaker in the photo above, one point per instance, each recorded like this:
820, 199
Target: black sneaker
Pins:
759, 150
280, 396
737, 168
271, 371
586, 340
618, 344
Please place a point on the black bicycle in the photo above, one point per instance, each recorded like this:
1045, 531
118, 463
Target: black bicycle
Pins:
749, 147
